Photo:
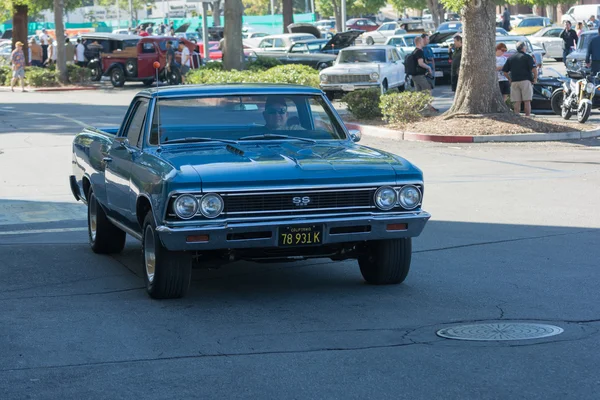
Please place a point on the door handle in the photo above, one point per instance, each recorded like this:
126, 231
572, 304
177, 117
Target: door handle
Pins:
107, 159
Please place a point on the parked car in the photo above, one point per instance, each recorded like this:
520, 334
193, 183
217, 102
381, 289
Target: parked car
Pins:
404, 43
511, 45
363, 67
325, 26
281, 42
221, 176
501, 31
361, 24
530, 25
380, 35
316, 53
576, 60
548, 38
440, 43
193, 37
5, 53
131, 58
450, 26
252, 39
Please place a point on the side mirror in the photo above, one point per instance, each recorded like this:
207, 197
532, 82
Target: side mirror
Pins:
355, 135
121, 143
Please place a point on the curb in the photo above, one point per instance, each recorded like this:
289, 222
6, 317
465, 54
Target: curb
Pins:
52, 89
386, 133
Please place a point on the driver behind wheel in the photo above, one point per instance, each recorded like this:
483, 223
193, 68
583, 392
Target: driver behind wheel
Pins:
276, 115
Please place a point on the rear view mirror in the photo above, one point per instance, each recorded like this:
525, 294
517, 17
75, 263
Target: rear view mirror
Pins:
245, 107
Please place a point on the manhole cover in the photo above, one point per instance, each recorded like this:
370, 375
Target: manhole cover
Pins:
500, 331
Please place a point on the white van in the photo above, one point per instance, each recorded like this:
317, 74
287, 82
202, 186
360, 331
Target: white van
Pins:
581, 13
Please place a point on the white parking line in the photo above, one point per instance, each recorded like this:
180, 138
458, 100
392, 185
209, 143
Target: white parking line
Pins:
35, 231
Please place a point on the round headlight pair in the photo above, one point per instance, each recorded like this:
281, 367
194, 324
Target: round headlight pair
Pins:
387, 198
210, 205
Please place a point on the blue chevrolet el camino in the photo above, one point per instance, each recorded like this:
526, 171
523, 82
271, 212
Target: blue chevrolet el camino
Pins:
207, 175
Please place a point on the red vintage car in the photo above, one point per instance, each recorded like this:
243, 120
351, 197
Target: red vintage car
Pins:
361, 24
131, 58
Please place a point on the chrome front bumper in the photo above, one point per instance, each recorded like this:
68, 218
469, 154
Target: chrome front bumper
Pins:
176, 237
339, 87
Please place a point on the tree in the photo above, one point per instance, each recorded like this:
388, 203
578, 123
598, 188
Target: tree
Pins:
362, 7
61, 59
288, 14
233, 54
400, 5
257, 7
216, 12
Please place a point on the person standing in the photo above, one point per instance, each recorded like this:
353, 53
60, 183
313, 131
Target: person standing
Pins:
70, 51
170, 56
419, 78
523, 74
80, 53
506, 19
36, 53
594, 21
569, 37
580, 29
17, 59
592, 57
500, 61
455, 66
44, 42
186, 61
429, 59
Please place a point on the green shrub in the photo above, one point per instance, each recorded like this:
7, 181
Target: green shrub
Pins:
77, 74
404, 107
218, 66
5, 75
290, 74
262, 63
363, 104
40, 77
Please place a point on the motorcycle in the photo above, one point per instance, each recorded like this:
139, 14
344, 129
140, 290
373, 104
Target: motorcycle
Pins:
578, 96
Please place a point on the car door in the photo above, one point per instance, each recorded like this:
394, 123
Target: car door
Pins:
125, 150
266, 44
298, 54
552, 42
398, 68
384, 32
147, 54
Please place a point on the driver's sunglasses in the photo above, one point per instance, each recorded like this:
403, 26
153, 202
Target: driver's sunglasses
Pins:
273, 111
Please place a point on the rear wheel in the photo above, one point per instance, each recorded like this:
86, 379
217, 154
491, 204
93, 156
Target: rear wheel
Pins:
386, 262
104, 237
167, 273
583, 112
556, 101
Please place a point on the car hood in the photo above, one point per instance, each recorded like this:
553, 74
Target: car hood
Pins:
527, 30
341, 41
182, 28
441, 37
304, 28
271, 163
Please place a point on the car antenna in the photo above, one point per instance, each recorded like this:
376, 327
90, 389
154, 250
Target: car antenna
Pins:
156, 66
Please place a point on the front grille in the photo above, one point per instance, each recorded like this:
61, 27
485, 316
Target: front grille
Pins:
348, 78
298, 201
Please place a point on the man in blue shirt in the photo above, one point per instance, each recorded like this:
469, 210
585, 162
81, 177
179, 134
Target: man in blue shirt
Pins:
592, 57
429, 60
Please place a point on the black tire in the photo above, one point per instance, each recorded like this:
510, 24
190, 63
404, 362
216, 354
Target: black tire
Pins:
370, 41
117, 77
173, 77
386, 262
566, 112
558, 59
322, 66
330, 95
384, 86
556, 101
583, 112
148, 82
96, 72
103, 236
401, 88
170, 275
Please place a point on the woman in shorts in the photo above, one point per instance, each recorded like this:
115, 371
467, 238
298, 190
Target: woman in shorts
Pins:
500, 61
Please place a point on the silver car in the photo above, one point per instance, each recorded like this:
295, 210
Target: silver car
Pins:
549, 39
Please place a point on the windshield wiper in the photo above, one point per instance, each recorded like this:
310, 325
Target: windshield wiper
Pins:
271, 136
198, 139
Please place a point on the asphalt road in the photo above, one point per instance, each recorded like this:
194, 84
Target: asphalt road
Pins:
514, 237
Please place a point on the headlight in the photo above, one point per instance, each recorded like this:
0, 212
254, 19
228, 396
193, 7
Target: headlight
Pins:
374, 76
186, 206
385, 198
589, 87
410, 197
211, 205
323, 78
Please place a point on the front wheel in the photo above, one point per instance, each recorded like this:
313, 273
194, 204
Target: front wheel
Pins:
117, 77
95, 73
565, 111
385, 262
167, 273
148, 82
370, 41
556, 101
583, 112
104, 237
330, 95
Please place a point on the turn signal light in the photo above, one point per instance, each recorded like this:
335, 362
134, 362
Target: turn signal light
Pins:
197, 239
397, 227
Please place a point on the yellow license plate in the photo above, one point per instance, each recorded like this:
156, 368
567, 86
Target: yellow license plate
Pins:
302, 235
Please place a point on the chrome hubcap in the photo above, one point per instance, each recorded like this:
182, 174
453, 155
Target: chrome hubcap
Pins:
149, 253
93, 219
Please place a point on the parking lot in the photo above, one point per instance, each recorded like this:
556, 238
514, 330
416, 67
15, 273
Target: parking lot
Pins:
513, 238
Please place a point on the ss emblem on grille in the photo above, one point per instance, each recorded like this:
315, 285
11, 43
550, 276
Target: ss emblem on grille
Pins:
301, 201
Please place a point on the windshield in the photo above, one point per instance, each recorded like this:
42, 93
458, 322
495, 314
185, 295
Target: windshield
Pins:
584, 40
237, 117
531, 22
362, 56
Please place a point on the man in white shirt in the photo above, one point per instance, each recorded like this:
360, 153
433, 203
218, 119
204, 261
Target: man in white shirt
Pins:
44, 42
79, 53
186, 60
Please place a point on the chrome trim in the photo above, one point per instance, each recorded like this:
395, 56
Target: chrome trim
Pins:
303, 191
125, 228
299, 210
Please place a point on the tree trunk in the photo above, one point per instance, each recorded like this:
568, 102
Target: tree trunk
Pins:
216, 11
337, 13
550, 13
288, 14
61, 56
233, 57
478, 91
437, 11
20, 29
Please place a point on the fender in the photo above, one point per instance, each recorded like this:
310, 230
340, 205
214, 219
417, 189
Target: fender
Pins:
585, 101
113, 66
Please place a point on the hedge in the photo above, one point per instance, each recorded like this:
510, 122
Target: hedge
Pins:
290, 74
363, 104
46, 77
398, 108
